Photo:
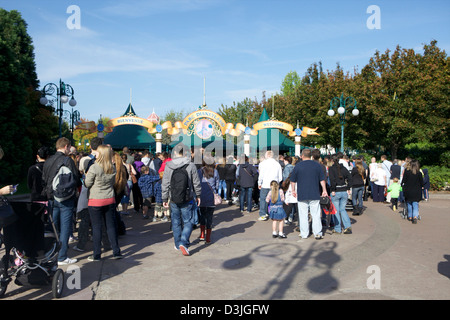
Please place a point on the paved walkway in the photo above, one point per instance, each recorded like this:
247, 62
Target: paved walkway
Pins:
386, 257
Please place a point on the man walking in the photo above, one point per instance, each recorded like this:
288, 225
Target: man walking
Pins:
62, 209
181, 185
386, 165
306, 180
269, 170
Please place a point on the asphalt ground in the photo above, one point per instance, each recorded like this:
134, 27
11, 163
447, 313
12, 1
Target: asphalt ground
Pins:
385, 258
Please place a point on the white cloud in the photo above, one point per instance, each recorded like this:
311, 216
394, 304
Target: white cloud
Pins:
72, 53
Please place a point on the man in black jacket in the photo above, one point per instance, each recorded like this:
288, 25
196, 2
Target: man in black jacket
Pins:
247, 176
62, 211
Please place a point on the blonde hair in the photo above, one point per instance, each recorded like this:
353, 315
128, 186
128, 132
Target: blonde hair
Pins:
104, 159
274, 188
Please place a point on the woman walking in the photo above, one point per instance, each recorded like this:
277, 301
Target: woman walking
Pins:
100, 180
358, 183
209, 178
340, 186
412, 184
128, 186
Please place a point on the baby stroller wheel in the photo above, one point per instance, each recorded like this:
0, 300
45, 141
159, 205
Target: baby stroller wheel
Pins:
58, 284
3, 287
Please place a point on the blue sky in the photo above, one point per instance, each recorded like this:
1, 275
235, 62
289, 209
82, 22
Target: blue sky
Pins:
164, 49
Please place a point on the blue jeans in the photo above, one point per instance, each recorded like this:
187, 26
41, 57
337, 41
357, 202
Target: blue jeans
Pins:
263, 205
182, 217
413, 209
98, 215
62, 213
339, 201
223, 186
246, 192
126, 197
357, 196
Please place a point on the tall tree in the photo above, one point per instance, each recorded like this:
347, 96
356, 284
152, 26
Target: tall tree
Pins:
242, 112
290, 82
407, 96
18, 81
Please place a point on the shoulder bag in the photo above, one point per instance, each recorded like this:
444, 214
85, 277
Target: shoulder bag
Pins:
217, 197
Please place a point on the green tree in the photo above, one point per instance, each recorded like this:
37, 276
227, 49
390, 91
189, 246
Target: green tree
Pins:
242, 112
290, 82
406, 96
18, 83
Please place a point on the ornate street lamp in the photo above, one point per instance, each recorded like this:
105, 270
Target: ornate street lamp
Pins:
74, 118
342, 105
59, 94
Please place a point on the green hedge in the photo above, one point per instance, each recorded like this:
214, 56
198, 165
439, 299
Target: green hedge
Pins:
439, 178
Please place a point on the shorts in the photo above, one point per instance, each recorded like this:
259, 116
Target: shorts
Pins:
147, 202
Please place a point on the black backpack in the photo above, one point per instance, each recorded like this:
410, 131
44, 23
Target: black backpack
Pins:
179, 185
64, 184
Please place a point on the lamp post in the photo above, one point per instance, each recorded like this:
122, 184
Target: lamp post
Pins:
61, 95
342, 105
74, 118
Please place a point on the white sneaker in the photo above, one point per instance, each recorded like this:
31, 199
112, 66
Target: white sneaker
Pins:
67, 261
72, 239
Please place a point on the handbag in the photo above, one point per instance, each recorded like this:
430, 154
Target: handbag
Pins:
7, 214
330, 209
133, 178
325, 201
217, 197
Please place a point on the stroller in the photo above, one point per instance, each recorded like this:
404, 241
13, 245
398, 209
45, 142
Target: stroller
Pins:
31, 249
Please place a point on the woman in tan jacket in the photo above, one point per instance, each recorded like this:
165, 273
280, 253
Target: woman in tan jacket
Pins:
100, 180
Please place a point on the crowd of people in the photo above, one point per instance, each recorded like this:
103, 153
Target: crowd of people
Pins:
182, 188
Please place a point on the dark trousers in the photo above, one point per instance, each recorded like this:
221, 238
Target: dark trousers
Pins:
206, 216
100, 215
394, 202
137, 197
378, 193
230, 188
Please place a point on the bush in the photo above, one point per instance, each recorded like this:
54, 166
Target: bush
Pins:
426, 153
439, 178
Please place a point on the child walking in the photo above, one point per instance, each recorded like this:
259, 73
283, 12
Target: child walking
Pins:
395, 189
275, 198
146, 183
146, 186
